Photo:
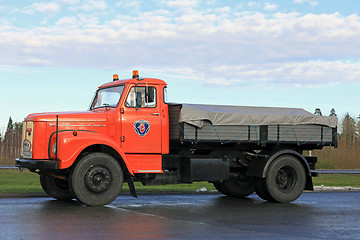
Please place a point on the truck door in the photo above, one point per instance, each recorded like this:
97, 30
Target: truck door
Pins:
141, 120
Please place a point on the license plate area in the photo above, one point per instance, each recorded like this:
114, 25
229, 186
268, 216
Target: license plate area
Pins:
27, 154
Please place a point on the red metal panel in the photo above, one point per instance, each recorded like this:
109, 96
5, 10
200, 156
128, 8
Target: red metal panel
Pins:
148, 138
145, 163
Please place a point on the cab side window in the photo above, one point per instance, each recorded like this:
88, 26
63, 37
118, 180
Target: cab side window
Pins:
141, 97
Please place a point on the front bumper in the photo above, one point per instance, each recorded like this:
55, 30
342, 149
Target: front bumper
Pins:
36, 164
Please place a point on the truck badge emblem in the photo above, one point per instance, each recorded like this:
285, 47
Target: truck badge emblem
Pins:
141, 127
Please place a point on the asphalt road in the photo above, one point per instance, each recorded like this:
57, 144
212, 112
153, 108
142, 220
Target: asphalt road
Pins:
321, 215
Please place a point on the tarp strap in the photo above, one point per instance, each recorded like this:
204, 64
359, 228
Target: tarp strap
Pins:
315, 137
278, 135
293, 128
329, 138
184, 134
218, 135
221, 141
256, 134
242, 134
324, 135
212, 126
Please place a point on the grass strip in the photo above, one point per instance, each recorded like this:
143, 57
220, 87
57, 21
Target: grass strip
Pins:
337, 180
14, 181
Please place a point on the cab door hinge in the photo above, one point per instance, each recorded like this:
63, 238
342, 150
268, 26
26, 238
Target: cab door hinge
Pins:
123, 139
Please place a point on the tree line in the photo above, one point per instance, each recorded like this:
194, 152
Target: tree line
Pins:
10, 143
346, 156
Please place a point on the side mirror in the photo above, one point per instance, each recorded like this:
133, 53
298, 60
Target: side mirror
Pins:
138, 99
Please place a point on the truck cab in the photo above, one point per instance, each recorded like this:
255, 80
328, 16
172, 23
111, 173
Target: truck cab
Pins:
127, 121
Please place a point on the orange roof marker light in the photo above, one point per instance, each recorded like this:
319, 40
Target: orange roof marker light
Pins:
115, 77
135, 74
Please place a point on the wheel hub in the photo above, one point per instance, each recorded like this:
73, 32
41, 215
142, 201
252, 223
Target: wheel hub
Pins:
285, 179
98, 179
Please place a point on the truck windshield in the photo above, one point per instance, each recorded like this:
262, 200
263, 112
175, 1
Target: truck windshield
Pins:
107, 97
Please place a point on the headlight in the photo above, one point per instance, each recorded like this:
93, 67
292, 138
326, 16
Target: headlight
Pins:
54, 149
26, 145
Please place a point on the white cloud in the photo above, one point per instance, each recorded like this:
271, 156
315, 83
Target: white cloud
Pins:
312, 3
302, 73
270, 7
67, 21
254, 4
93, 5
222, 10
128, 4
211, 3
282, 48
181, 3
68, 2
50, 7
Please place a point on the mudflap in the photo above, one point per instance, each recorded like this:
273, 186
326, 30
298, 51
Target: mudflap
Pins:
131, 184
309, 183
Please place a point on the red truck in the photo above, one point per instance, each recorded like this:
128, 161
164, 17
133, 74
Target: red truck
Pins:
131, 133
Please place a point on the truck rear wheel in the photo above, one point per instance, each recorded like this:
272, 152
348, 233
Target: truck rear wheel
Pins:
221, 189
286, 179
96, 179
238, 188
56, 188
235, 188
261, 189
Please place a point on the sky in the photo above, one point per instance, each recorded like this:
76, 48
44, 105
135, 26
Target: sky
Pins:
296, 53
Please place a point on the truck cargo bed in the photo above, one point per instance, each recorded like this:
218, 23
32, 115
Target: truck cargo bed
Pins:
285, 126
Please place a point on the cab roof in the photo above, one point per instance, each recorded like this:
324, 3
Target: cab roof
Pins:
152, 81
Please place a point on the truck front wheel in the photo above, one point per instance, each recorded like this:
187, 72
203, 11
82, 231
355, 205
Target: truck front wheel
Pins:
55, 187
96, 179
285, 180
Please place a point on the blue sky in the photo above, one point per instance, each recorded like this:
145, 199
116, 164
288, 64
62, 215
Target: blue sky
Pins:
297, 53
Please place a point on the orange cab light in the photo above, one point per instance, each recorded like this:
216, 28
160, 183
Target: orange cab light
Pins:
115, 77
135, 74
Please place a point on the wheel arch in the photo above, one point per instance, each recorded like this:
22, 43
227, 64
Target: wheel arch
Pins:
300, 157
104, 149
259, 167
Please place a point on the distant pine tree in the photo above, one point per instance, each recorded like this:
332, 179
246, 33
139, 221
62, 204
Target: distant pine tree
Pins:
8, 139
318, 112
348, 129
332, 113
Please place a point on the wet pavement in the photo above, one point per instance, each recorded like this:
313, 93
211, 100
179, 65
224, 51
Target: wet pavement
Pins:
321, 215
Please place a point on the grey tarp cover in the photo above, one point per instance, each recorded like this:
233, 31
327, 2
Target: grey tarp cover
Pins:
196, 114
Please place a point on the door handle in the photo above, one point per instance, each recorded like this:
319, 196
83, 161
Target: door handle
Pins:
155, 114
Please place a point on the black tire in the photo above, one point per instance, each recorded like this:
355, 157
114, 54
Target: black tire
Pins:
56, 188
238, 188
261, 189
221, 189
96, 179
285, 179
